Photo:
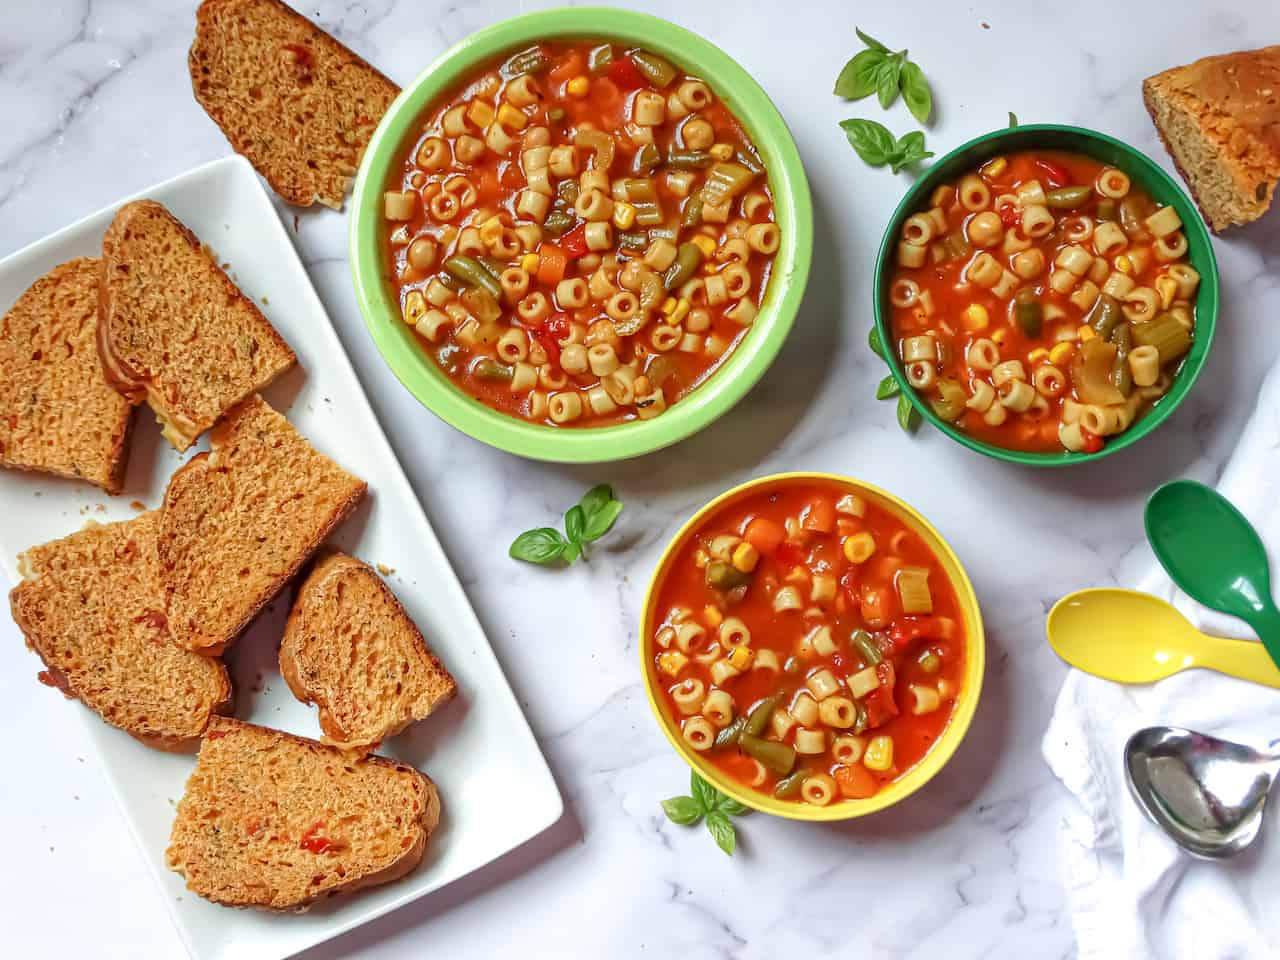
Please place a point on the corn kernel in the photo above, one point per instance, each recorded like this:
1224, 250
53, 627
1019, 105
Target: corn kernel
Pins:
1086, 332
975, 317
480, 113
879, 754
668, 306
511, 118
1000, 336
740, 658
624, 215
578, 87
415, 307
1167, 287
859, 547
722, 151
672, 662
745, 557
705, 244
529, 263
680, 312
712, 615
1038, 355
993, 168
1061, 352
700, 559
1124, 264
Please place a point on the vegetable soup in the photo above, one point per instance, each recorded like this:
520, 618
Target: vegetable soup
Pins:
580, 234
809, 643
1043, 302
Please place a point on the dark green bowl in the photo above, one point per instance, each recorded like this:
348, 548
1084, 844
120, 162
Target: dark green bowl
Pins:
1144, 172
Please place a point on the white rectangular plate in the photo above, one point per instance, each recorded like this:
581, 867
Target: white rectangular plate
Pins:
494, 783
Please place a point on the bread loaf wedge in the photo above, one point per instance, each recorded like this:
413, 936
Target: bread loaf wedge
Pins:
350, 648
174, 330
58, 413
293, 100
277, 821
1219, 119
240, 521
91, 606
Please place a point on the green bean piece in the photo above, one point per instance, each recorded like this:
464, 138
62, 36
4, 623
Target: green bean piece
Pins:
647, 158
759, 716
487, 368
729, 735
567, 192
725, 181
725, 576
639, 189
600, 58
648, 213
557, 222
651, 292
526, 61
790, 786
791, 665
657, 71
633, 240
778, 757
1121, 376
929, 661
1170, 338
555, 114
859, 716
1028, 314
450, 281
1104, 315
750, 161
659, 369
689, 159
470, 272
871, 654
689, 258
1067, 198
949, 403
692, 213
1106, 211
482, 304
956, 245
1132, 212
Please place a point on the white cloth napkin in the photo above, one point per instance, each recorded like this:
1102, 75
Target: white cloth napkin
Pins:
1133, 893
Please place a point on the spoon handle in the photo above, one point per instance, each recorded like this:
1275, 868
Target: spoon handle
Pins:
1238, 658
1266, 624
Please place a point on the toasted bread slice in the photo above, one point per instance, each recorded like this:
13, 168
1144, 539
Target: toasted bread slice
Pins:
350, 648
92, 607
288, 96
240, 521
58, 413
277, 821
174, 329
1219, 119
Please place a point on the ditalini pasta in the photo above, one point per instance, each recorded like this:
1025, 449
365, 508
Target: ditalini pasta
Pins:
1055, 283
580, 234
815, 636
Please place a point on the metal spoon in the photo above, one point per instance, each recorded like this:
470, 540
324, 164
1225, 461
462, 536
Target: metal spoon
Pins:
1212, 553
1207, 794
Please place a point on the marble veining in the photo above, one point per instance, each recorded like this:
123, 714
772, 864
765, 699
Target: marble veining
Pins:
96, 104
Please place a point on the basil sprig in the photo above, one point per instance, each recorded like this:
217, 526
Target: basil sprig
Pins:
708, 804
908, 418
587, 521
877, 146
880, 71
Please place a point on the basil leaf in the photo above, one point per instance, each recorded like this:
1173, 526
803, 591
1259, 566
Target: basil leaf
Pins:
702, 791
870, 41
908, 419
572, 551
871, 141
722, 830
908, 150
874, 342
887, 81
600, 522
916, 92
682, 810
543, 545
888, 388
595, 498
1013, 119
731, 807
858, 78
575, 521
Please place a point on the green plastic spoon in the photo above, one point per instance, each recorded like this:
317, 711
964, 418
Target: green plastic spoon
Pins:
1212, 553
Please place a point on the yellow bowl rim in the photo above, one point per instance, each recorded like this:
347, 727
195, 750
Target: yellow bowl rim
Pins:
952, 734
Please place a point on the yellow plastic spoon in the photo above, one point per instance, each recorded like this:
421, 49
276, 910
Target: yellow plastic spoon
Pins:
1133, 637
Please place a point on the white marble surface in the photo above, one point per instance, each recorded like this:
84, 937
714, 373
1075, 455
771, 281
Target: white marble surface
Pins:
94, 104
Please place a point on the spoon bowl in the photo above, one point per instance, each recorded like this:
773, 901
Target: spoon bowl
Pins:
1206, 793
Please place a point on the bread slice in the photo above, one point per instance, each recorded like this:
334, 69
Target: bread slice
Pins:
288, 96
240, 521
58, 413
1219, 119
277, 821
174, 329
92, 607
350, 648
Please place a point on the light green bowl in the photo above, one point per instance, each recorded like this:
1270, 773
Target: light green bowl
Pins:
1144, 172
743, 367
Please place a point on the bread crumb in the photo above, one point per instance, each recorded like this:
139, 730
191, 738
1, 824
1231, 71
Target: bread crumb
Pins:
138, 505
985, 25
385, 570
266, 301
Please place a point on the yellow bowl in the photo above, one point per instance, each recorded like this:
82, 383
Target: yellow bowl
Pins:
967, 701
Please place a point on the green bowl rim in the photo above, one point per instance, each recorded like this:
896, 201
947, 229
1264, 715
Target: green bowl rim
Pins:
1145, 171
736, 375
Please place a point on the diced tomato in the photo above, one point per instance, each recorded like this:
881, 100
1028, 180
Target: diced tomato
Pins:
574, 243
558, 325
313, 843
552, 262
1092, 442
880, 707
908, 630
624, 73
789, 554
856, 782
1054, 174
571, 66
819, 516
1009, 215
764, 534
